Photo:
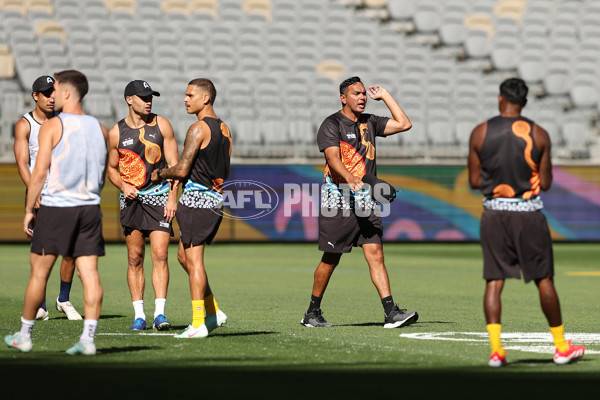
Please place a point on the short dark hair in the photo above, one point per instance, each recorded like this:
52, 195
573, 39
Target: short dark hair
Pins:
348, 82
514, 90
207, 86
76, 79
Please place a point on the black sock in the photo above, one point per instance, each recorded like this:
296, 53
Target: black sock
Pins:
315, 303
388, 304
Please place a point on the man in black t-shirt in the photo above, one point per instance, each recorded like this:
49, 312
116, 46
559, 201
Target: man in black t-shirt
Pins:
349, 215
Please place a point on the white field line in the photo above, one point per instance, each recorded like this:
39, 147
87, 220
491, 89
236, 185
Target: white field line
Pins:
533, 342
134, 334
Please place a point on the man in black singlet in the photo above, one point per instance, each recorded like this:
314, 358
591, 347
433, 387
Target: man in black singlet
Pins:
204, 166
139, 144
509, 160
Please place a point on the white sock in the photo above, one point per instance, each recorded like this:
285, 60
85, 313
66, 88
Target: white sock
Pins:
26, 327
159, 307
89, 331
138, 309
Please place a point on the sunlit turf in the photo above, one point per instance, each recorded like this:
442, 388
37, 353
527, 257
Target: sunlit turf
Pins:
263, 351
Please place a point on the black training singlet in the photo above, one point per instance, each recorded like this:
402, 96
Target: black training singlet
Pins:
509, 159
211, 165
140, 152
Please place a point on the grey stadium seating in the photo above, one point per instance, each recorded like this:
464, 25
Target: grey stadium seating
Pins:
277, 64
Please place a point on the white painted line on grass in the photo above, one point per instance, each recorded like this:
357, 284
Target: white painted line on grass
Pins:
533, 342
134, 334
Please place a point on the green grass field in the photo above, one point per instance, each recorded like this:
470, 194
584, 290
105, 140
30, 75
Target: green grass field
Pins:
263, 351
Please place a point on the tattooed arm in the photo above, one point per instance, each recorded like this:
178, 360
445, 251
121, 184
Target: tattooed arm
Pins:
197, 137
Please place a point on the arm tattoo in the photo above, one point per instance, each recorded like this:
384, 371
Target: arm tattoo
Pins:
190, 148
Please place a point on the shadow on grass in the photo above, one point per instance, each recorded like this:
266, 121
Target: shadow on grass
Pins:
335, 381
64, 317
128, 349
112, 316
544, 361
223, 333
421, 323
243, 333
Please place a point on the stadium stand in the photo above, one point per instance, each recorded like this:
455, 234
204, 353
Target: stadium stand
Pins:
277, 64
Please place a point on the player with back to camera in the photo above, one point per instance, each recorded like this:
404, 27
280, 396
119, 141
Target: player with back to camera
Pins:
139, 144
204, 166
347, 138
26, 147
72, 155
509, 160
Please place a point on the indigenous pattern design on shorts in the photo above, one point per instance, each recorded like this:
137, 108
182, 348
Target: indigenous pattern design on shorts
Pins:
156, 196
196, 195
515, 205
333, 197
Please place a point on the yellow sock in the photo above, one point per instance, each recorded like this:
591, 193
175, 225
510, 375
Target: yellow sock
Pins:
558, 333
211, 304
197, 313
494, 332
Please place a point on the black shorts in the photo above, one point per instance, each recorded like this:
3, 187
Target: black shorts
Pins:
340, 230
68, 231
198, 225
137, 216
513, 242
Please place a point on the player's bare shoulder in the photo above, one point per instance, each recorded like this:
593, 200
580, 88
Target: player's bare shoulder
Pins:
23, 128
477, 136
113, 136
164, 125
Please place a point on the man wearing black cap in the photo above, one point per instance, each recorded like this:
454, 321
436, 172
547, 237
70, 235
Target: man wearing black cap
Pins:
26, 147
349, 216
509, 160
139, 144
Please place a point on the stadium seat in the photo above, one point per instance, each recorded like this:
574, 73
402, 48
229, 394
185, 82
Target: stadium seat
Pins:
452, 30
209, 7
332, 69
427, 16
504, 54
98, 104
575, 133
257, 7
7, 63
300, 125
51, 28
531, 68
555, 81
402, 10
583, 92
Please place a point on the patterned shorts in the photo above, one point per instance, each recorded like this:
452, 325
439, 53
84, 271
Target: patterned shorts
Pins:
145, 213
201, 199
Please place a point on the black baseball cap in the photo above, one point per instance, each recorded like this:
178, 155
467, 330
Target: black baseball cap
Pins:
380, 190
42, 84
140, 88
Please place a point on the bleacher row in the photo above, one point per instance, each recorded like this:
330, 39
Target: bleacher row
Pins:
277, 65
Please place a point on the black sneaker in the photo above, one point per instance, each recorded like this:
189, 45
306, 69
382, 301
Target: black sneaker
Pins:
314, 319
400, 317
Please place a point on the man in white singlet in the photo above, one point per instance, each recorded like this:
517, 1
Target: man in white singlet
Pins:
72, 157
26, 147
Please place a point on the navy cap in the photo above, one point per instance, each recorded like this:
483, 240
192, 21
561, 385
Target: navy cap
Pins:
42, 83
140, 88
